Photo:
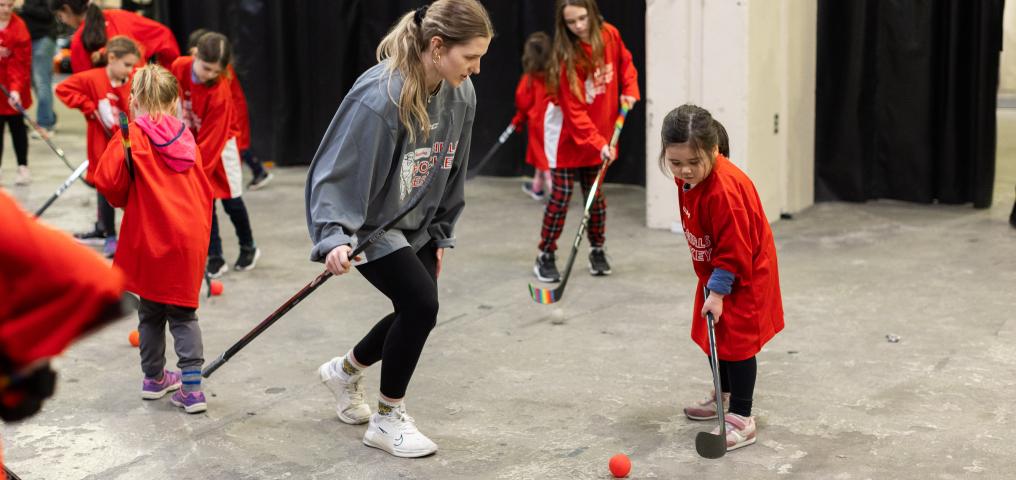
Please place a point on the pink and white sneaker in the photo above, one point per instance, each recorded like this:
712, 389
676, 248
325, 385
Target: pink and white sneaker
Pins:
740, 431
705, 409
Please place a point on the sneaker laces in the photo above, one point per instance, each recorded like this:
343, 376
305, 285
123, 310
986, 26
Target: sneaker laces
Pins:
410, 422
355, 391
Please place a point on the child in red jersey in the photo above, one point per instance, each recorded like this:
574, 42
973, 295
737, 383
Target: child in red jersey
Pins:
16, 77
591, 73
734, 257
533, 105
101, 94
207, 109
164, 236
94, 26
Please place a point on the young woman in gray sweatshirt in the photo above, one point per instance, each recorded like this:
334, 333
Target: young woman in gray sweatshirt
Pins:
405, 119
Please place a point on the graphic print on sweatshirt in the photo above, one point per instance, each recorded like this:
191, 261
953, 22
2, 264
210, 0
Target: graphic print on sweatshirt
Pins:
187, 114
596, 83
416, 165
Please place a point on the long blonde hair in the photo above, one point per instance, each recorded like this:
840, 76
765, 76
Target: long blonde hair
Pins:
568, 53
455, 22
154, 90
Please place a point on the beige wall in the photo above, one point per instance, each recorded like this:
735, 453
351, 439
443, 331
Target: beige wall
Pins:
745, 61
1007, 70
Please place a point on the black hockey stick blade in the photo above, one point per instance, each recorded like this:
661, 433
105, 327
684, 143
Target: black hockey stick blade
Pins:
709, 445
475, 169
318, 281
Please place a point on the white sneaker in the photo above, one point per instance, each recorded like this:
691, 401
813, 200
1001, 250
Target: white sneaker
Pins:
24, 177
396, 434
351, 407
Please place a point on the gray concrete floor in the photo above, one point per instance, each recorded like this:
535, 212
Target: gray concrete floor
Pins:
514, 390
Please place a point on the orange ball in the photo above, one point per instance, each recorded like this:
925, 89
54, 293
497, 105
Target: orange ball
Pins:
620, 465
216, 288
134, 338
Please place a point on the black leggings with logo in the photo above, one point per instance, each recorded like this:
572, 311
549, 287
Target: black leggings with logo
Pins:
409, 280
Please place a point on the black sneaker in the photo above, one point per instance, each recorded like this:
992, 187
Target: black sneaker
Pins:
248, 258
598, 265
546, 269
261, 181
216, 266
95, 237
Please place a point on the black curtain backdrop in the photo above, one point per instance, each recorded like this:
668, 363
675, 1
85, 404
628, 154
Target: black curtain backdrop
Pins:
297, 59
905, 102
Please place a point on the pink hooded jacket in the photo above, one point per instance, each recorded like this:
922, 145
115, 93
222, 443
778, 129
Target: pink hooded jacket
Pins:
171, 139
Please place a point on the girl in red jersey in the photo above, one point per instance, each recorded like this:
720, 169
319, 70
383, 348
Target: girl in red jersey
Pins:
592, 70
734, 256
155, 39
207, 110
533, 105
241, 121
101, 94
16, 76
164, 239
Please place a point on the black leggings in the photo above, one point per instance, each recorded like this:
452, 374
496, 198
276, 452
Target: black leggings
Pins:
738, 379
19, 135
409, 280
106, 216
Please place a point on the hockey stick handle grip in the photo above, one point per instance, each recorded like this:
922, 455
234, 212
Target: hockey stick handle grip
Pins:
125, 138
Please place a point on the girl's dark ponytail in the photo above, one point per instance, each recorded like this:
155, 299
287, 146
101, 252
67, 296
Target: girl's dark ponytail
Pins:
93, 36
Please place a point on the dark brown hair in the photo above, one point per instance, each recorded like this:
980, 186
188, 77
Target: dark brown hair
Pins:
689, 124
213, 47
93, 35
536, 54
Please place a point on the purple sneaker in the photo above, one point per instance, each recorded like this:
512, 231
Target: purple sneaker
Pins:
191, 402
109, 247
152, 389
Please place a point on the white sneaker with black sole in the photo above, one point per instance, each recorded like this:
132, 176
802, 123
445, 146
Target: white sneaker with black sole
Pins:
351, 407
396, 433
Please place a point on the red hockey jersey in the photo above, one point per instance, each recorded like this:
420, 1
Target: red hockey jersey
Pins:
208, 111
154, 38
726, 228
241, 118
52, 288
531, 104
588, 121
16, 67
83, 91
167, 219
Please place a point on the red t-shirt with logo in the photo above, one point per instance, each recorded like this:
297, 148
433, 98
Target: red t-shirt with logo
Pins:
83, 91
726, 228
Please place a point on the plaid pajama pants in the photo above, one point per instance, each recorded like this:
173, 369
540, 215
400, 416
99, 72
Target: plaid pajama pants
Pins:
557, 207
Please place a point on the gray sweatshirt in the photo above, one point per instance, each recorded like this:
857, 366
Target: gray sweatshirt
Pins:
366, 168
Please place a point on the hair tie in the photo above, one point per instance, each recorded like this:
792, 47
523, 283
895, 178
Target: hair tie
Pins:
420, 13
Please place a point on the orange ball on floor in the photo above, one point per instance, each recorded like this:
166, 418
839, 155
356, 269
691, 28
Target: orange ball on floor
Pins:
134, 338
620, 465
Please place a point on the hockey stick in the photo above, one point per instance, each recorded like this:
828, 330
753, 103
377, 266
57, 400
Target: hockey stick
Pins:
125, 138
317, 282
38, 129
78, 172
547, 296
475, 169
707, 444
10, 474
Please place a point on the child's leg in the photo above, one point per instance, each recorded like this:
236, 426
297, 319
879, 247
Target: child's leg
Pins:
547, 181
215, 243
598, 211
237, 212
107, 215
183, 324
252, 162
19, 137
152, 337
742, 384
3, 121
538, 182
557, 208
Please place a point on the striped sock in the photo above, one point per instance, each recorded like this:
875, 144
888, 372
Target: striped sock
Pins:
386, 408
191, 380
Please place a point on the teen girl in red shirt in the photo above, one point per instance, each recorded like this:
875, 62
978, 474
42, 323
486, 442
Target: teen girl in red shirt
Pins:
591, 73
155, 39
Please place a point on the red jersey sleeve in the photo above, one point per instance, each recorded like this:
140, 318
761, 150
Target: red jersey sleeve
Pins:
241, 118
54, 288
21, 61
111, 176
76, 92
523, 100
628, 76
80, 60
215, 128
732, 233
155, 38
